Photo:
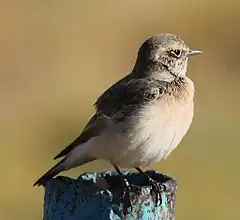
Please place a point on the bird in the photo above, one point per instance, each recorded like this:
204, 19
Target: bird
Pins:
140, 119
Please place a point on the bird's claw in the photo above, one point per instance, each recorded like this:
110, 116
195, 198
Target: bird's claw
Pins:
157, 189
127, 203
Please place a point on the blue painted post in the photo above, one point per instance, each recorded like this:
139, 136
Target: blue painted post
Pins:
91, 197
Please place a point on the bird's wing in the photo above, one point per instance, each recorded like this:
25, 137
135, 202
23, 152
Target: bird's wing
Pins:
128, 95
93, 128
118, 101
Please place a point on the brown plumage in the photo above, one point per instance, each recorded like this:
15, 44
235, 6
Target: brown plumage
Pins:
142, 117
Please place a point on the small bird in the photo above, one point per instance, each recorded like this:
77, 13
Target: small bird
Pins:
142, 117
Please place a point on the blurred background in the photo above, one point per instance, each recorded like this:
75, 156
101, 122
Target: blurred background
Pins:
57, 57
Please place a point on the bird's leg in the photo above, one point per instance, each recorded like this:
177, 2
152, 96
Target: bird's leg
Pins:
157, 188
127, 188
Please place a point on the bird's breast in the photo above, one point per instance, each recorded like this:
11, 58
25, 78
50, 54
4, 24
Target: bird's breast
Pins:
157, 129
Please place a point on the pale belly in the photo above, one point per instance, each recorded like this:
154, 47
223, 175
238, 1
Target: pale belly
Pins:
151, 136
157, 131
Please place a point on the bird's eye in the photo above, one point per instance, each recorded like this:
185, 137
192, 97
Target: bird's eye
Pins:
175, 53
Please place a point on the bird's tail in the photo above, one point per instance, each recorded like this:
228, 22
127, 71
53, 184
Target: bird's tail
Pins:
50, 174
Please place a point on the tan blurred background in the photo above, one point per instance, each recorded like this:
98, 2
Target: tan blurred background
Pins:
56, 57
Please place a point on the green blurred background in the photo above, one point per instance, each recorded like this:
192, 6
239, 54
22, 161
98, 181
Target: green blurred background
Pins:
56, 57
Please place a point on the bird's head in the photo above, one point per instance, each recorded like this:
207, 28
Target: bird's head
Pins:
165, 52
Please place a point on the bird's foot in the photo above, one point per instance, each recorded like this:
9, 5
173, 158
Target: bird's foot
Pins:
157, 189
127, 203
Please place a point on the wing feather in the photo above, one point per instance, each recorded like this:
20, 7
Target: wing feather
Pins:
93, 128
117, 103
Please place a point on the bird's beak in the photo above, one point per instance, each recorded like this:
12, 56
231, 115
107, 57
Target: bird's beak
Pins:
194, 52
